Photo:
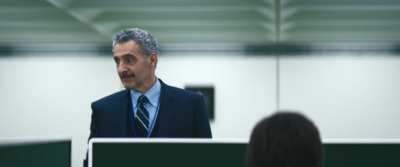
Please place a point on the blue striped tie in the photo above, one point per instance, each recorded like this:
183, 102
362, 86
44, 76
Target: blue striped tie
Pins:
142, 118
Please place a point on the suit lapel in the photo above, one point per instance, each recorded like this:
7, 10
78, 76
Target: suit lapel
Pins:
167, 110
123, 109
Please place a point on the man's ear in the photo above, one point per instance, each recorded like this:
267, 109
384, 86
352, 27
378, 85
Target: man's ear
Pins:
153, 59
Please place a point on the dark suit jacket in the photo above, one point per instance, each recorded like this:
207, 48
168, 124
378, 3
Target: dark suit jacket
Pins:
181, 114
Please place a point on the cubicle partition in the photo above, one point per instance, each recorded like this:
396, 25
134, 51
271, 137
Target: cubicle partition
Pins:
232, 153
362, 153
167, 152
35, 152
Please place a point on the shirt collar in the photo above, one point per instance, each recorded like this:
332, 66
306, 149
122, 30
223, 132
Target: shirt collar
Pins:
152, 94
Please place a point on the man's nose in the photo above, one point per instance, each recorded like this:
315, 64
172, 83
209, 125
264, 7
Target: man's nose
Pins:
121, 67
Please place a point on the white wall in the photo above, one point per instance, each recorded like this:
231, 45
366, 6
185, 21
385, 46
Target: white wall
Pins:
347, 96
50, 96
245, 87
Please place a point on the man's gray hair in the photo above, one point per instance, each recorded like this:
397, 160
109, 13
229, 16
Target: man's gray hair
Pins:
147, 43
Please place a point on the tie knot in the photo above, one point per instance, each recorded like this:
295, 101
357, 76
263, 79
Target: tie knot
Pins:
142, 99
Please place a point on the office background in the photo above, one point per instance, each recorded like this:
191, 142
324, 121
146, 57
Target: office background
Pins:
338, 62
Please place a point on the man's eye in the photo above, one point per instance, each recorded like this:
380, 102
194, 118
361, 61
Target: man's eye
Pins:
117, 61
129, 60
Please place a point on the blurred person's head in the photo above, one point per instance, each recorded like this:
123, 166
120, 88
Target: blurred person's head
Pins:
135, 54
285, 139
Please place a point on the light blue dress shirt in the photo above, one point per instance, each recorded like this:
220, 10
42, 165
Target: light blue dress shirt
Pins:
153, 95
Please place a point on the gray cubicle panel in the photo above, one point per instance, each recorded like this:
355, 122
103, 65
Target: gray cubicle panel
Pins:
167, 152
232, 153
35, 152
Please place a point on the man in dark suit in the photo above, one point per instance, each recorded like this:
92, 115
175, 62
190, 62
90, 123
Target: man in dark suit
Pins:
148, 107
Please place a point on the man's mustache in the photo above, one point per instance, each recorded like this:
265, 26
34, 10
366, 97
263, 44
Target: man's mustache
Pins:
125, 75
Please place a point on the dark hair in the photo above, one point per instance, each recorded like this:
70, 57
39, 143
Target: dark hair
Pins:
285, 139
144, 39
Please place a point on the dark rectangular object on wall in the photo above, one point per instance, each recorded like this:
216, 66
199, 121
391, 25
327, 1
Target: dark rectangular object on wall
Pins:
208, 94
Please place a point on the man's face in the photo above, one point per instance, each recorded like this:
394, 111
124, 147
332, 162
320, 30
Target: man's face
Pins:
135, 72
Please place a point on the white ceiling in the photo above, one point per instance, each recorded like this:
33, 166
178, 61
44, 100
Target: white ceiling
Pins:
186, 21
